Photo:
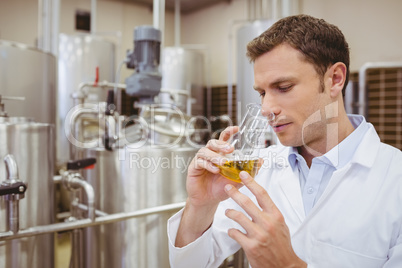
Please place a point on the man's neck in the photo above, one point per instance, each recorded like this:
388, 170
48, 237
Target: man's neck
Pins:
310, 151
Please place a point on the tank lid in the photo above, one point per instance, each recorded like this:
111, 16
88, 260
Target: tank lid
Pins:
16, 120
22, 46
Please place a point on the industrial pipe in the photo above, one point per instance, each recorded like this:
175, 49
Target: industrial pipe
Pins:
13, 217
75, 181
93, 16
158, 13
104, 84
11, 168
79, 99
67, 226
12, 190
73, 132
177, 23
81, 94
97, 212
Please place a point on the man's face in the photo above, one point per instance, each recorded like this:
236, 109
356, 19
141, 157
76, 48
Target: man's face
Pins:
290, 87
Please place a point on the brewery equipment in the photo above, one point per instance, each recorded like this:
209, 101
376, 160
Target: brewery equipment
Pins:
84, 62
183, 79
145, 167
145, 82
30, 73
32, 146
12, 190
129, 179
245, 72
141, 163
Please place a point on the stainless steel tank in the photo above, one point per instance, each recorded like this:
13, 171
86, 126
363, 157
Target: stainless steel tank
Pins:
80, 56
245, 93
144, 174
244, 69
127, 180
183, 71
31, 73
32, 145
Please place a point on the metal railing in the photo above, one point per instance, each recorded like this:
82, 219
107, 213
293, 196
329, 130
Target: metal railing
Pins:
67, 226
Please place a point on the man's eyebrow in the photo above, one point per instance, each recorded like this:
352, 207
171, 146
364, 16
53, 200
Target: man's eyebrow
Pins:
277, 82
282, 80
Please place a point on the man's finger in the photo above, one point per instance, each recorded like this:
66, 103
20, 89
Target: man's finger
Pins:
263, 199
200, 164
238, 236
228, 132
219, 146
241, 219
243, 201
211, 156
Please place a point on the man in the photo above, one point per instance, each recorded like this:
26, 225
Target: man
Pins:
329, 196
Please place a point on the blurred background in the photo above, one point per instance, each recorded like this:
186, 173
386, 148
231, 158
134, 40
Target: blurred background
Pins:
132, 89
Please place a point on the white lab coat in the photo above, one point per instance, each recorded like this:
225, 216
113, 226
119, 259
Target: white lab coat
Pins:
357, 222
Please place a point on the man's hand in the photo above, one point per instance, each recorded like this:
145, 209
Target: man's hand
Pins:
205, 188
267, 238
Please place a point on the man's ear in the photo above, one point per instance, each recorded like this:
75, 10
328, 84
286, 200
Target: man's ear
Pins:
337, 77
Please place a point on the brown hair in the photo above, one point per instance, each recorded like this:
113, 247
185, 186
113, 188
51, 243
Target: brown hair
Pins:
321, 43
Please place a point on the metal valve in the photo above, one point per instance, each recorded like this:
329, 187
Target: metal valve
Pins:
73, 180
86, 163
12, 188
17, 187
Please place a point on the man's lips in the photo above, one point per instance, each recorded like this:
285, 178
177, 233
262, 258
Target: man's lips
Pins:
279, 127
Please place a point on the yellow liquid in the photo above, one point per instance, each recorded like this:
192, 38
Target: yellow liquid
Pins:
231, 169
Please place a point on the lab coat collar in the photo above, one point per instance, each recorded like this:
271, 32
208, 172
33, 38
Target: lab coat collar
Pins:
367, 150
289, 182
342, 153
364, 156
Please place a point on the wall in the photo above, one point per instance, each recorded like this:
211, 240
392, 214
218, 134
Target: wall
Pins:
18, 20
115, 20
211, 27
372, 27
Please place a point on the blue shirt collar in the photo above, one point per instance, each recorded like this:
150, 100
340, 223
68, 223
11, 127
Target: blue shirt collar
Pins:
341, 154
293, 157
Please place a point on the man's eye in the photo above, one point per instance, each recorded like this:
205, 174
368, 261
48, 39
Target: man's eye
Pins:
285, 88
262, 93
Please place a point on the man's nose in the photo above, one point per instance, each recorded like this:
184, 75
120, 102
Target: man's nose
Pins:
269, 109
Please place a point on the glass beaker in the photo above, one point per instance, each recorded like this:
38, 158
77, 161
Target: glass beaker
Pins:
247, 142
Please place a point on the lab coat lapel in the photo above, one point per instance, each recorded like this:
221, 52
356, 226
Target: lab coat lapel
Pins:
336, 178
290, 186
364, 156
